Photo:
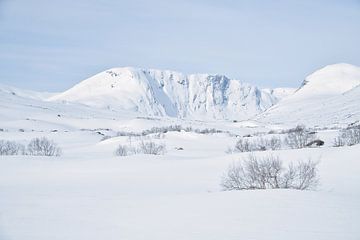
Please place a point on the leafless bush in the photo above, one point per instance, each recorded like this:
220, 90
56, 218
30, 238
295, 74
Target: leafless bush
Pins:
269, 173
349, 137
43, 147
298, 128
243, 145
147, 147
208, 131
339, 141
258, 144
11, 148
304, 176
299, 137
159, 131
171, 128
152, 148
274, 143
124, 150
127, 134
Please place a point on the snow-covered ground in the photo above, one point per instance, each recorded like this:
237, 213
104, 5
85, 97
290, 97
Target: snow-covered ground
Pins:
89, 193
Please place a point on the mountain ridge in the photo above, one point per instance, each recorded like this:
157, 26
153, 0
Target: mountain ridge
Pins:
329, 96
169, 93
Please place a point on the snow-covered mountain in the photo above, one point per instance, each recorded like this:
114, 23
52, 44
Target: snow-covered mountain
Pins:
330, 95
173, 94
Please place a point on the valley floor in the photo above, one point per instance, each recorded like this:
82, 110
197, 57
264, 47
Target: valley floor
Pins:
88, 193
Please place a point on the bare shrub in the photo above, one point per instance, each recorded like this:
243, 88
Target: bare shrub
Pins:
269, 173
171, 128
349, 137
159, 131
259, 144
339, 141
243, 145
11, 148
298, 128
43, 147
129, 134
305, 176
124, 150
208, 131
152, 148
353, 136
274, 143
299, 137
144, 148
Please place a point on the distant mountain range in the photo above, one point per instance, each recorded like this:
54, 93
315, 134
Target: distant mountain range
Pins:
330, 95
173, 94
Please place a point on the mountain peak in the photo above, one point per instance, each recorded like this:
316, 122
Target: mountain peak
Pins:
169, 93
328, 96
331, 79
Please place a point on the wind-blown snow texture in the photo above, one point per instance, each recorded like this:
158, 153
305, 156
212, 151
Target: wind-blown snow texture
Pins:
173, 94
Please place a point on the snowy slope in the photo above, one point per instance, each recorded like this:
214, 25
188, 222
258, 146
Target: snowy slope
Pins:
89, 194
23, 110
27, 110
329, 96
173, 94
280, 93
5, 89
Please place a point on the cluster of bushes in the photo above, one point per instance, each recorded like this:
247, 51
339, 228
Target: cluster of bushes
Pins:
36, 147
179, 128
299, 137
148, 147
11, 148
348, 137
260, 144
269, 172
296, 138
165, 129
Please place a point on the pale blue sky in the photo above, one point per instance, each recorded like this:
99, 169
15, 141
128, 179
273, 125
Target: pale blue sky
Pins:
51, 45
